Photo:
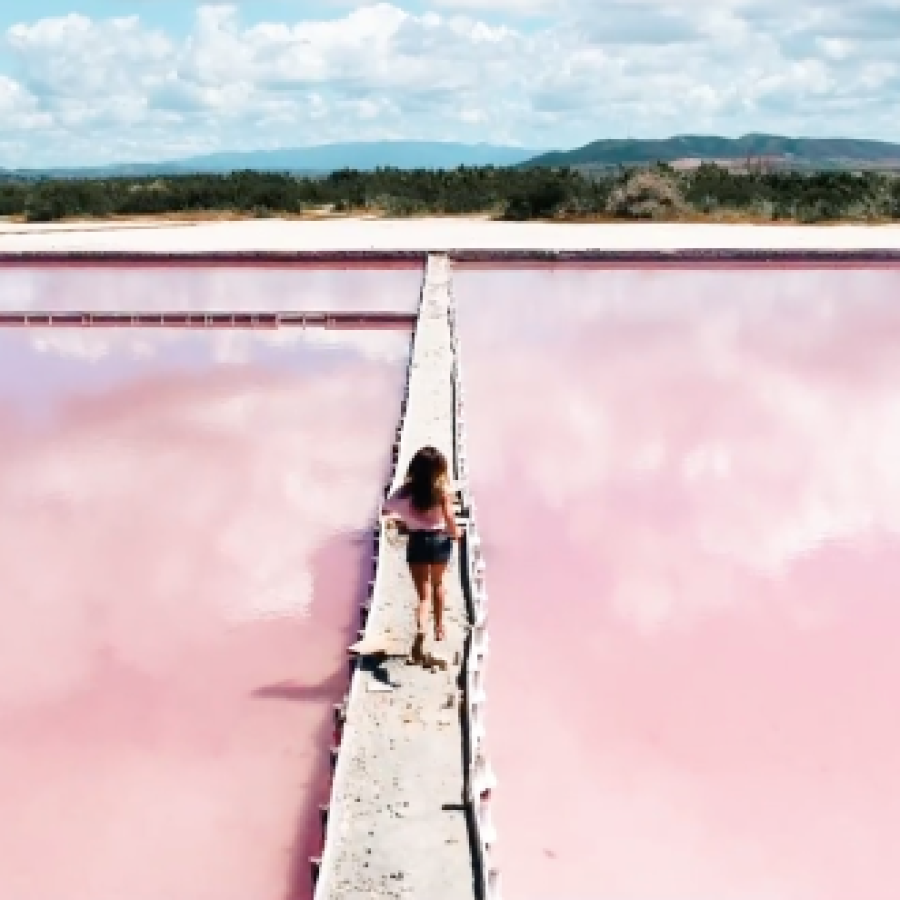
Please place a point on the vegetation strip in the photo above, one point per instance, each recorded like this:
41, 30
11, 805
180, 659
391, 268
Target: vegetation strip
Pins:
709, 192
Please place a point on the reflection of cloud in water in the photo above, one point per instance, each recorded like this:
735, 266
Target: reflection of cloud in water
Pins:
149, 514
226, 346
213, 289
691, 483
672, 416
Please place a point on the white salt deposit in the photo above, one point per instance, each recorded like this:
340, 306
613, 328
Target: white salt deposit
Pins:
434, 234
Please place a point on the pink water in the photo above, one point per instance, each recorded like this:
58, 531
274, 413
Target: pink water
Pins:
206, 288
689, 491
184, 538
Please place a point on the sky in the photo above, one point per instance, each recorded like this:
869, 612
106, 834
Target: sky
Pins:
95, 81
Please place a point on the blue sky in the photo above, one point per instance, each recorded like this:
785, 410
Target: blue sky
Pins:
94, 81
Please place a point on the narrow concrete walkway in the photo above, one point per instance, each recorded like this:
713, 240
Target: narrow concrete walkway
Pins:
396, 823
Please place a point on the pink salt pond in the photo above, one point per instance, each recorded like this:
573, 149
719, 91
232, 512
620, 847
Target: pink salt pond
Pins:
688, 489
184, 538
28, 286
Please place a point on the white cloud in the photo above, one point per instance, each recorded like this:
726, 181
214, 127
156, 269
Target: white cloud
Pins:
84, 90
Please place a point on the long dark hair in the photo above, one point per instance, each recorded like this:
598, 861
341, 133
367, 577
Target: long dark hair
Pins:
425, 479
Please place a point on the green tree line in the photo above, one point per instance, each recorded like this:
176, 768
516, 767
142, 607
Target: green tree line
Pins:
657, 192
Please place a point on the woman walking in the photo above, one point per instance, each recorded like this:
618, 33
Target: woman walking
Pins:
424, 505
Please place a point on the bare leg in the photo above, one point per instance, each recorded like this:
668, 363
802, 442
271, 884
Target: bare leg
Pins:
421, 575
437, 599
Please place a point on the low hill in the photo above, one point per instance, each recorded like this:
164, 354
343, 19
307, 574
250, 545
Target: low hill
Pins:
819, 153
313, 160
366, 156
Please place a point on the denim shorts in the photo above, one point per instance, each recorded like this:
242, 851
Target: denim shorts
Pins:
429, 547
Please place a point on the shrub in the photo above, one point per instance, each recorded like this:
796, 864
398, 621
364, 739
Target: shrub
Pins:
538, 201
812, 213
579, 207
762, 209
401, 206
892, 202
646, 194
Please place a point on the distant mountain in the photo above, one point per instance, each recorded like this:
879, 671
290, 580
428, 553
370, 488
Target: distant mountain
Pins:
798, 153
793, 152
319, 159
366, 156
122, 170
